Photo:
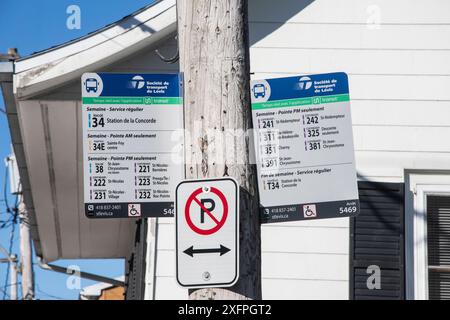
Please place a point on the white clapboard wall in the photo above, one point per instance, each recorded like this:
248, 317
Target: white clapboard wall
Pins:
397, 56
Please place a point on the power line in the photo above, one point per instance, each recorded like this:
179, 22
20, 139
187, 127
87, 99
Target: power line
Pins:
12, 222
12, 284
48, 294
5, 194
8, 256
11, 242
3, 111
6, 224
14, 210
4, 293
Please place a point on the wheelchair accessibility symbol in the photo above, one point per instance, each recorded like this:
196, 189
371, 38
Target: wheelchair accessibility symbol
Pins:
134, 210
309, 211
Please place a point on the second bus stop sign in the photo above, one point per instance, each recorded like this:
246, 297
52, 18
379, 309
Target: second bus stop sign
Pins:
207, 232
304, 147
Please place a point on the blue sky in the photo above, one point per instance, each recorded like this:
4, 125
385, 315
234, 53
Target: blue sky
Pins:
30, 26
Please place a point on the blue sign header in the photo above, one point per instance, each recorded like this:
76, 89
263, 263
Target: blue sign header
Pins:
131, 85
299, 87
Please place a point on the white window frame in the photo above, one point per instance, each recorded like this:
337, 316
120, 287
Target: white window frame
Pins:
421, 185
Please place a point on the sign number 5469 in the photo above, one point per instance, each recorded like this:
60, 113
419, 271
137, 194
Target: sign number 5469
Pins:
348, 210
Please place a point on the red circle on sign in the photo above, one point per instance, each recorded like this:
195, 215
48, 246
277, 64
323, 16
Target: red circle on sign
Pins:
219, 224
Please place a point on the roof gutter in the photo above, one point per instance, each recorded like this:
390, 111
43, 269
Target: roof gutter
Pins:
81, 274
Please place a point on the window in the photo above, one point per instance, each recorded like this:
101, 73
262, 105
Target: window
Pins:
427, 234
438, 246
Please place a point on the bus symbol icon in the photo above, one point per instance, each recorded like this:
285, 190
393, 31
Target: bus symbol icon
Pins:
259, 90
91, 85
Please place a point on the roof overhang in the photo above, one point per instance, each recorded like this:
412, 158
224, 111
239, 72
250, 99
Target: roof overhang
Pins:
54, 68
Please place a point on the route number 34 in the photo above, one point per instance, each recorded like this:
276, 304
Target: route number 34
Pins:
98, 122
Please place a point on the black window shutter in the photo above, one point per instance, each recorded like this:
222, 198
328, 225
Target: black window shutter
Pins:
377, 238
135, 268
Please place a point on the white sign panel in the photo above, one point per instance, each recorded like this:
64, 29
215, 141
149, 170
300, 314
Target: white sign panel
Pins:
304, 147
131, 154
207, 233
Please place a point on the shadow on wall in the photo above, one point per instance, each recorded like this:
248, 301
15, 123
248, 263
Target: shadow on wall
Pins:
391, 194
269, 16
131, 23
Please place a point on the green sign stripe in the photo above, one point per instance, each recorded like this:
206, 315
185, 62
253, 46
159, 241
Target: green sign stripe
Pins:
300, 102
132, 100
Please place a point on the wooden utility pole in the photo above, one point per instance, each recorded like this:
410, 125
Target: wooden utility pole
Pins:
214, 58
25, 253
13, 275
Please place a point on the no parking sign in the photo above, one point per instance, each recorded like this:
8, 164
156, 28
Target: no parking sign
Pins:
207, 232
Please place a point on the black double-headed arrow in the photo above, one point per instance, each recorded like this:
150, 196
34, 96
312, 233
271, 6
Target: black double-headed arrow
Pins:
191, 251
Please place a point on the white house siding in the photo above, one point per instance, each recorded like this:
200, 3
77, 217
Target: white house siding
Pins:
399, 73
166, 286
